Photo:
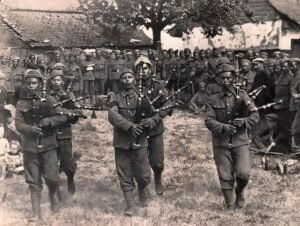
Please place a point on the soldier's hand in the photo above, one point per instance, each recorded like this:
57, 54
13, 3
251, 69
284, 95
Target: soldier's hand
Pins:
229, 129
45, 122
36, 130
239, 122
148, 123
136, 130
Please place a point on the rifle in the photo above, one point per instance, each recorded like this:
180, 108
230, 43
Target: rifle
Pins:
63, 102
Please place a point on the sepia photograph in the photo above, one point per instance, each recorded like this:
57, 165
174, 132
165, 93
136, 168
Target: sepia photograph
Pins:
149, 112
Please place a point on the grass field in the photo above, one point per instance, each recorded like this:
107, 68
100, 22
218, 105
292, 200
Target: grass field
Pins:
192, 194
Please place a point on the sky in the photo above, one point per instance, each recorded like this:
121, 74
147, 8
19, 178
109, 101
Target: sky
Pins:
42, 4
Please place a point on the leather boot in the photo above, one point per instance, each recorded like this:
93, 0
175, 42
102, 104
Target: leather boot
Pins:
129, 199
158, 182
36, 206
71, 184
54, 202
240, 199
228, 196
144, 196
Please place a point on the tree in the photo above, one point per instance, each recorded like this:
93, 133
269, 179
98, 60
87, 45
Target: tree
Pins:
121, 15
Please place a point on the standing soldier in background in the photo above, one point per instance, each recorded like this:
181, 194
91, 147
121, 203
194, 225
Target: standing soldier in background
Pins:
171, 69
57, 58
115, 69
229, 117
129, 63
64, 131
101, 72
131, 159
87, 67
15, 79
161, 67
31, 62
246, 75
137, 53
72, 72
153, 122
36, 121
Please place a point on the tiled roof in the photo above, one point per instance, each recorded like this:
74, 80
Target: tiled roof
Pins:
288, 8
262, 9
58, 28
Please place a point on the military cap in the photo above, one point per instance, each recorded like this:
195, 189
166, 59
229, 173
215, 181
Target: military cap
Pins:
57, 52
259, 60
222, 60
196, 50
276, 53
129, 53
163, 50
31, 73
186, 49
243, 61
58, 66
273, 62
126, 70
226, 68
143, 59
117, 51
295, 60
137, 51
284, 60
285, 55
55, 73
222, 49
170, 50
108, 51
272, 116
15, 58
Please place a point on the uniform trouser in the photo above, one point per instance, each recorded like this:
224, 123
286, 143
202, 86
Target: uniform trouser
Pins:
99, 86
38, 165
114, 85
285, 124
65, 156
156, 152
89, 87
232, 163
132, 164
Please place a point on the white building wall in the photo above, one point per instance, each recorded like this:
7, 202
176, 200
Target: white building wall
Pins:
264, 35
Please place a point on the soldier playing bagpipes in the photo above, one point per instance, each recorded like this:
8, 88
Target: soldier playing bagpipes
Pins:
131, 158
230, 114
36, 120
64, 133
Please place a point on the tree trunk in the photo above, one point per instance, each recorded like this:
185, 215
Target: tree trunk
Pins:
156, 31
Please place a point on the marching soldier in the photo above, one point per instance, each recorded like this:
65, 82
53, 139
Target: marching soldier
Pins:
64, 131
101, 73
36, 121
229, 117
131, 157
115, 69
154, 121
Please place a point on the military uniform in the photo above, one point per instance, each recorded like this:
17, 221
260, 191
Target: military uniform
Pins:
69, 70
115, 69
15, 81
131, 154
101, 75
88, 69
40, 157
231, 152
171, 69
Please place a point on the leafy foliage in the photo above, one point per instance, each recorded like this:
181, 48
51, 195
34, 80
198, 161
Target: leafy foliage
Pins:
121, 15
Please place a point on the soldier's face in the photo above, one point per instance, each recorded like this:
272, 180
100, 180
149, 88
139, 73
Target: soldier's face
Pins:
171, 54
196, 55
57, 82
293, 67
32, 58
15, 63
271, 68
137, 54
127, 80
32, 84
226, 78
72, 59
165, 55
277, 69
146, 71
187, 53
277, 56
57, 57
257, 66
245, 67
118, 55
285, 68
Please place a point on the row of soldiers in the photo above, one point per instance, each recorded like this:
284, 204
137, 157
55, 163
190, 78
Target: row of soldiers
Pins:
96, 73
